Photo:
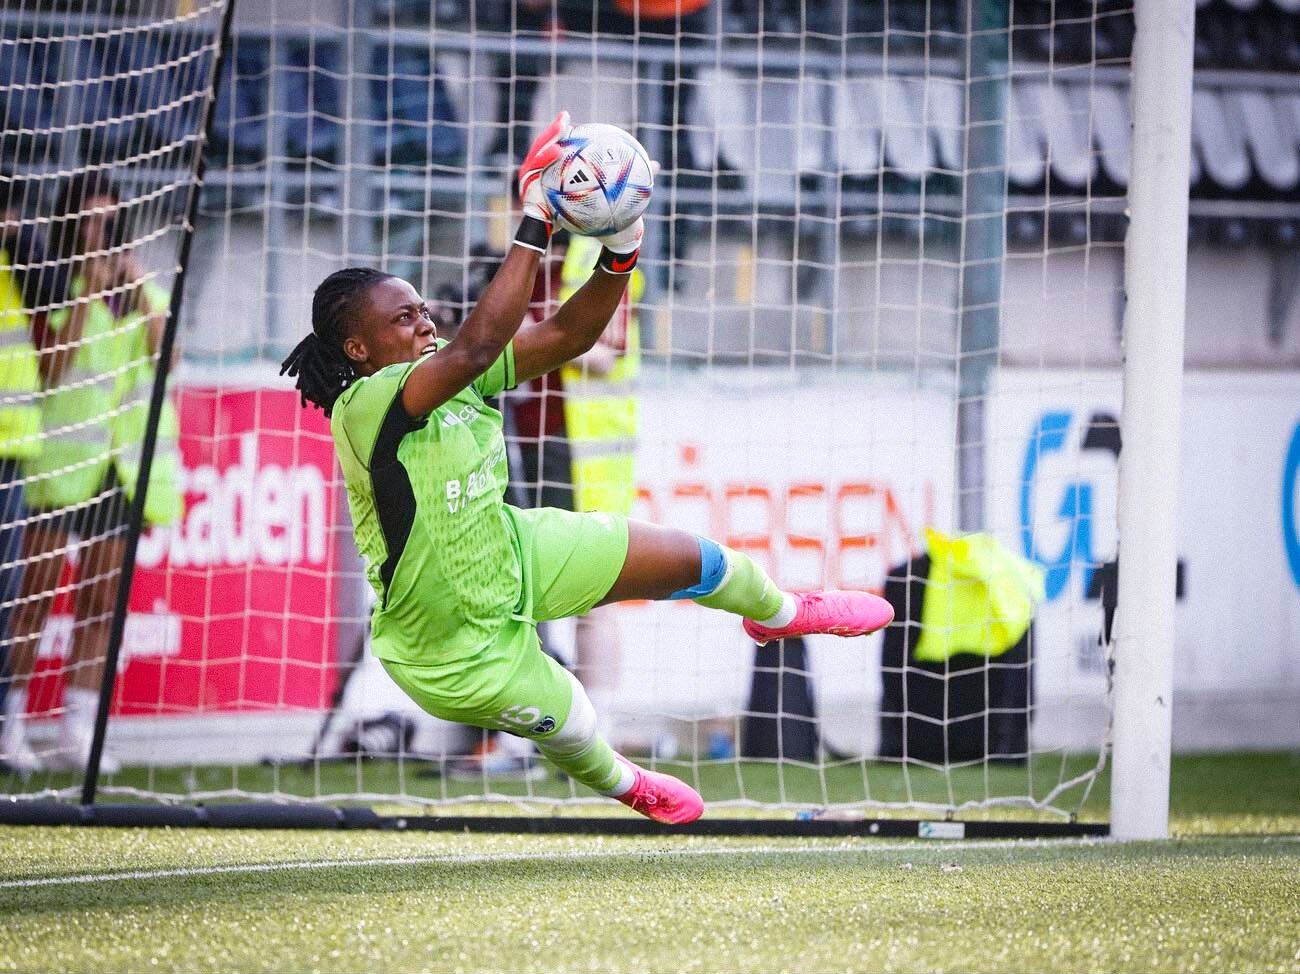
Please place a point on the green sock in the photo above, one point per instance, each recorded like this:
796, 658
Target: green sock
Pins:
594, 765
745, 589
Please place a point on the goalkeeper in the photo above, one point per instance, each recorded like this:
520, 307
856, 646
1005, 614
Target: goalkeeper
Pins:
463, 578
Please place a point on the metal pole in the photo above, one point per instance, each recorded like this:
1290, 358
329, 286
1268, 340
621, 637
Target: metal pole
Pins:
358, 244
1155, 279
163, 369
358, 229
276, 196
983, 243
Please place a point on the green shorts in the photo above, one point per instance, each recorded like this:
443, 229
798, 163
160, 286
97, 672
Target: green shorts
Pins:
569, 563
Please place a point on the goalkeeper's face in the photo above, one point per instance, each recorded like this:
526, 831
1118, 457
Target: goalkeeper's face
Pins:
392, 324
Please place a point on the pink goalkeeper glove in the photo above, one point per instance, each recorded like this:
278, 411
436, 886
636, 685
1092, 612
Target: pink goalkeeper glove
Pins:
544, 151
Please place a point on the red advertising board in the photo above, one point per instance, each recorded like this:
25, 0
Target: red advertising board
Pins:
233, 608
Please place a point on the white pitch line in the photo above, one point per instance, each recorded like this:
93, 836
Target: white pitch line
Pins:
455, 859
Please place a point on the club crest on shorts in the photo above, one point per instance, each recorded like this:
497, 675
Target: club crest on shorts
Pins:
544, 726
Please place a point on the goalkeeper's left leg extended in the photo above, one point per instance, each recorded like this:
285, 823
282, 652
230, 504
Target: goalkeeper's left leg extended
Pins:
515, 687
580, 751
664, 563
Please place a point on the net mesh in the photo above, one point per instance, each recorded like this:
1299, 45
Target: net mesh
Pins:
877, 228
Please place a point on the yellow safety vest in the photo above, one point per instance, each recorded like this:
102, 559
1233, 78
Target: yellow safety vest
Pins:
979, 597
600, 411
20, 380
95, 418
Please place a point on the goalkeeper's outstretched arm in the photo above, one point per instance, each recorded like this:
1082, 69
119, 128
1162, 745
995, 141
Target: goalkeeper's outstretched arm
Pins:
581, 320
364, 320
501, 309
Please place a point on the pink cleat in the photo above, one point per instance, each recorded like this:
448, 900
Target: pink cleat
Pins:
662, 797
833, 613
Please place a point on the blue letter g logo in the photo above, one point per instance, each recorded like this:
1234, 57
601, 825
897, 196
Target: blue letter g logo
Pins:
1049, 436
1290, 488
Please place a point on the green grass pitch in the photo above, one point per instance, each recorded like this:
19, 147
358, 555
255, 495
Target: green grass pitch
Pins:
1223, 895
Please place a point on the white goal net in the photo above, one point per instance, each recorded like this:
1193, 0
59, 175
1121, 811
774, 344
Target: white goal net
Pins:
103, 107
878, 313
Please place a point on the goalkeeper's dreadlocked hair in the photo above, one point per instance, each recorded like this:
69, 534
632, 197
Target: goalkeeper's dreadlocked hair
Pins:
319, 364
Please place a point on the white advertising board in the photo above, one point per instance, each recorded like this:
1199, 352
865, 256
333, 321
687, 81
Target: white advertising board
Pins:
771, 466
827, 481
1053, 480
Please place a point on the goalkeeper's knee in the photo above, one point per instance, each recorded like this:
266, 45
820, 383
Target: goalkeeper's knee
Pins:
579, 730
579, 750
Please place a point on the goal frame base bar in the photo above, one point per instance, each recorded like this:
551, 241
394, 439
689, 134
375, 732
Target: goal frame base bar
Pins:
269, 815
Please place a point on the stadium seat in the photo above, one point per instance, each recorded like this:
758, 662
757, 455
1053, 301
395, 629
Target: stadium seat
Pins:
1264, 123
26, 114
1067, 130
1216, 134
858, 114
1107, 107
472, 97
143, 99
769, 156
311, 76
414, 120
239, 135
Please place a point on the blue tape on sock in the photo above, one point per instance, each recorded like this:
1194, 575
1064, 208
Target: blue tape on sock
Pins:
713, 568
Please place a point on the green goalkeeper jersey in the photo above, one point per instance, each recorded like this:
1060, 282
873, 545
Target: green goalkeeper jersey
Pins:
427, 504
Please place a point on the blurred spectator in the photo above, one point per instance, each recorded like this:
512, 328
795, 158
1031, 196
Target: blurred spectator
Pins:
600, 406
43, 281
27, 289
536, 409
453, 300
96, 364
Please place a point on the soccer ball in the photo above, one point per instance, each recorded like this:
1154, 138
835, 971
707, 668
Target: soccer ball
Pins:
602, 181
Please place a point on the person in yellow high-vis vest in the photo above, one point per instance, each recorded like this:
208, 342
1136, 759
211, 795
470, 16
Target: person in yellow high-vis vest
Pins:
600, 407
97, 366
26, 289
600, 416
